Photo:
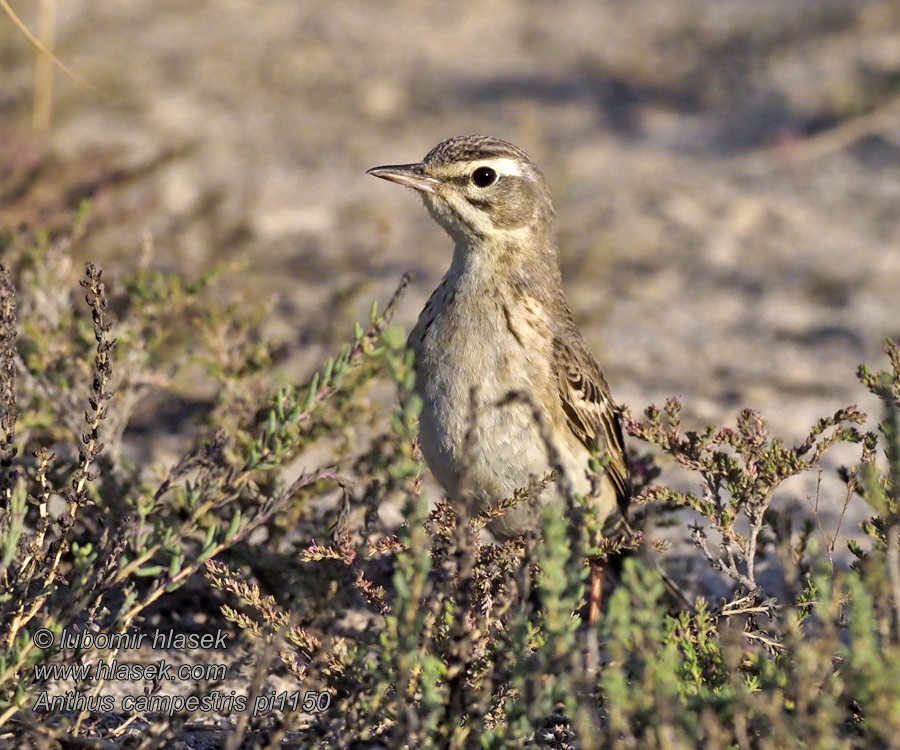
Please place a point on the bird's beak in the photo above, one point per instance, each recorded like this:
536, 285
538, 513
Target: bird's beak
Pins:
411, 175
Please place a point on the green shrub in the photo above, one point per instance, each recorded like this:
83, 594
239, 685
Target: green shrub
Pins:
426, 635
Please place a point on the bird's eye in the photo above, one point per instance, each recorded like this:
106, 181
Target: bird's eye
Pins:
484, 176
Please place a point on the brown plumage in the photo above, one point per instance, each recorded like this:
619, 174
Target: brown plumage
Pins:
499, 323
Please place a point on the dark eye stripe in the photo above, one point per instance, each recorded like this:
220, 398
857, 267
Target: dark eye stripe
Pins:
460, 179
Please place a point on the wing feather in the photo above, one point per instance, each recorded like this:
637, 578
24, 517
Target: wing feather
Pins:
591, 414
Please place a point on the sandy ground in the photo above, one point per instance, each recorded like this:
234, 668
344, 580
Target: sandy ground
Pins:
725, 174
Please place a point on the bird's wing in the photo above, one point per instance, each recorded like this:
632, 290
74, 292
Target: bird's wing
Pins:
590, 412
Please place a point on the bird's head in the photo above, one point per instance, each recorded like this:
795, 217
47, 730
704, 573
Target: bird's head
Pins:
485, 192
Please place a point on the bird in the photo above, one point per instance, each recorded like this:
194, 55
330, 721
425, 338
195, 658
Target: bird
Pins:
501, 367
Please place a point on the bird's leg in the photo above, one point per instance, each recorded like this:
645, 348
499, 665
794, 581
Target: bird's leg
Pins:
596, 591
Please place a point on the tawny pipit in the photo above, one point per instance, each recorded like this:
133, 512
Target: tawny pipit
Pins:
498, 322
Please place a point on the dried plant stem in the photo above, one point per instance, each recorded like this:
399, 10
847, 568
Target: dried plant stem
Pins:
90, 450
43, 67
8, 413
17, 22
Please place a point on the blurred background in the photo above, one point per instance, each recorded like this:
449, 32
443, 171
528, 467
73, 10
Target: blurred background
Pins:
726, 174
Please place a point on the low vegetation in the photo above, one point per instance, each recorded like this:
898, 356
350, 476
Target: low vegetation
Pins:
421, 633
